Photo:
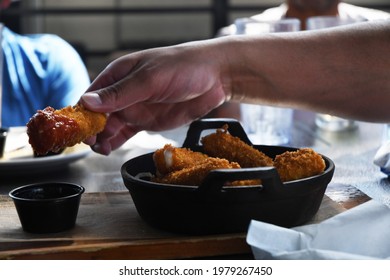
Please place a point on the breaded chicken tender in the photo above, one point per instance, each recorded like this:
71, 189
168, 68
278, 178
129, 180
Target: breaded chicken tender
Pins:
223, 145
299, 164
194, 175
170, 158
51, 130
181, 166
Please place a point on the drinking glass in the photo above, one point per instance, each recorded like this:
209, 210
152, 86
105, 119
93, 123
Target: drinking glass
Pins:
267, 125
3, 131
326, 121
1, 72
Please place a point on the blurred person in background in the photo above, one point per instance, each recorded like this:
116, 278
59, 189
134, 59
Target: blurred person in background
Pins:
302, 10
39, 70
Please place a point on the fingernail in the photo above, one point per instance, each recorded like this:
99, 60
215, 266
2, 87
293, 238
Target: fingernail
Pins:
101, 149
92, 99
90, 141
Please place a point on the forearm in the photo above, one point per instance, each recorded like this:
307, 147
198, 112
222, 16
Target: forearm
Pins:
330, 72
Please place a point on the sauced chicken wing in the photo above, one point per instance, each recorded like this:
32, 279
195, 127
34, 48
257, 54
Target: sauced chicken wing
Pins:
51, 130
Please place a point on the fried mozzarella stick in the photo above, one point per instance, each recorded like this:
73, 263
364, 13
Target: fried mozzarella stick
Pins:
223, 145
194, 175
299, 164
51, 130
170, 158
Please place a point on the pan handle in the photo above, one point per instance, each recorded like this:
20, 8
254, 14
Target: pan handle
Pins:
216, 179
197, 127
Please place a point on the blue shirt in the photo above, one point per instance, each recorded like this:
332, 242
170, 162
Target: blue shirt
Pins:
39, 70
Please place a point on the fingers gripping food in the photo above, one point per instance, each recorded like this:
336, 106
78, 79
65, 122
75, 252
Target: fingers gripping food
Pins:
169, 159
51, 130
299, 164
223, 145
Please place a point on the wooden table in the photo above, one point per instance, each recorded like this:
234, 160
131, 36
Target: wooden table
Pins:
108, 226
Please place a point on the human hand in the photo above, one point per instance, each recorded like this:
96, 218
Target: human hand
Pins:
155, 90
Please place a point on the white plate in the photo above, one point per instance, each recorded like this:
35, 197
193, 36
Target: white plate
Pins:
19, 158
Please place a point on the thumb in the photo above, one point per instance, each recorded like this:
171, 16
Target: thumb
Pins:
109, 99
114, 97
107, 91
94, 102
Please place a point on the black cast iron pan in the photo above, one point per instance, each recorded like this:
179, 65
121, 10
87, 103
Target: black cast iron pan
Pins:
212, 208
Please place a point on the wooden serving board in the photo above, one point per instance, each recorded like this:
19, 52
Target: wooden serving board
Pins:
109, 227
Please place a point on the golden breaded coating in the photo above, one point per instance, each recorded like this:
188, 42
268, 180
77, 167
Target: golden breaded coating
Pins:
194, 175
52, 130
90, 123
170, 158
242, 183
223, 145
181, 166
299, 164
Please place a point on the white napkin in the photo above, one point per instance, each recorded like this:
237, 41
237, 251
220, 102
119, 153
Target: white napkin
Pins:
362, 232
16, 139
146, 141
382, 158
